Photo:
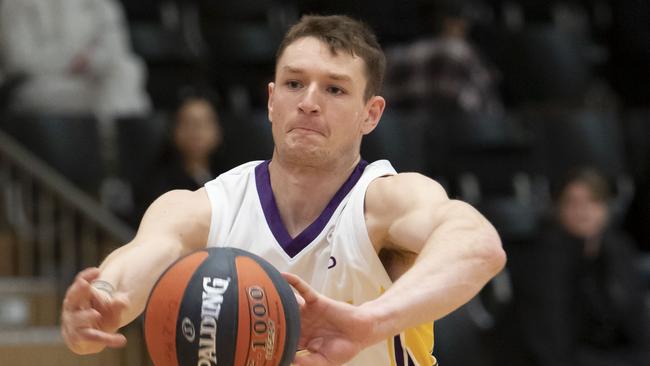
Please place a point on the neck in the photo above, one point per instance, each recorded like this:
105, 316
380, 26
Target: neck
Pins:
302, 192
196, 166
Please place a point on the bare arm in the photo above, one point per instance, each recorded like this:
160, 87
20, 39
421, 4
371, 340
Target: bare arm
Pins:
459, 251
176, 224
456, 253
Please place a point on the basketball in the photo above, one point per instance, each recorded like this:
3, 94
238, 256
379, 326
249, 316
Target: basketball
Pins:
221, 306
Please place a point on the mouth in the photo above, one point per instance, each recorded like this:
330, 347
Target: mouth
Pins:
307, 130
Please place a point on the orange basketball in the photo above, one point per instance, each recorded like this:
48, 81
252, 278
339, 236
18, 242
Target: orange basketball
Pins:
221, 306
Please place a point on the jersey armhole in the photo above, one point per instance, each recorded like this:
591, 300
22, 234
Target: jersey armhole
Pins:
210, 189
364, 243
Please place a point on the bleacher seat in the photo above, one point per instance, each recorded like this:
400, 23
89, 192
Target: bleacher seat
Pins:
156, 43
492, 149
247, 43
571, 137
237, 9
543, 64
516, 221
171, 60
397, 138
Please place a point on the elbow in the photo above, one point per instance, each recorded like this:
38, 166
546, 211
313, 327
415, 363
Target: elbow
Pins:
492, 252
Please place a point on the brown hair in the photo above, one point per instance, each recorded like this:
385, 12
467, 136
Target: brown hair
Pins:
342, 33
596, 182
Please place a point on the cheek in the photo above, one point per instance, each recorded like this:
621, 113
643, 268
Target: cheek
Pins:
599, 215
350, 120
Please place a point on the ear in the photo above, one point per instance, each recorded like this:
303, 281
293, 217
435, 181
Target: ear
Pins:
271, 88
375, 108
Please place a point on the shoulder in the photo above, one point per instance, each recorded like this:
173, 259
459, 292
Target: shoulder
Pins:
180, 198
404, 190
619, 244
180, 205
398, 199
181, 213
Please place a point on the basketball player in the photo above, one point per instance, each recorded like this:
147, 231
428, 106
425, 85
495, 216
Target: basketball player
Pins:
376, 256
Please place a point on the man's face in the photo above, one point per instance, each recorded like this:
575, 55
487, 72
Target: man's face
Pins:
316, 104
580, 212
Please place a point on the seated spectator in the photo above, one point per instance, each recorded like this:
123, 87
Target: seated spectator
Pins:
191, 157
74, 56
580, 293
443, 69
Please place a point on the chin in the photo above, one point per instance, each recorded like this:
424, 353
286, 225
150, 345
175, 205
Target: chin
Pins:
308, 156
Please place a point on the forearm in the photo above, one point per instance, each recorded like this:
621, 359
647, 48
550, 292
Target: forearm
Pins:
457, 260
132, 270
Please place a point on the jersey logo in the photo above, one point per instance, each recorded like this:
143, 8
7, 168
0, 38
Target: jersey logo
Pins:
332, 263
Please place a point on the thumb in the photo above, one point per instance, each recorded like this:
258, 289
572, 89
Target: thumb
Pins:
315, 344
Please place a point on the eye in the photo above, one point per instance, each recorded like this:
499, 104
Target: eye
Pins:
293, 84
335, 90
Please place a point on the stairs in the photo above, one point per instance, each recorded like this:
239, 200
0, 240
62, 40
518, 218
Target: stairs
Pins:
44, 346
49, 231
30, 333
28, 302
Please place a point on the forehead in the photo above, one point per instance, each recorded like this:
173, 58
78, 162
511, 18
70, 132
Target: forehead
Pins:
578, 189
311, 54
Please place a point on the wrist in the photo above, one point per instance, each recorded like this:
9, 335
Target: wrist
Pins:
382, 321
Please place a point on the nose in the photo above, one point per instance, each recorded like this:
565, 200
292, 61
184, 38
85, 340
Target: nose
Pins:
309, 103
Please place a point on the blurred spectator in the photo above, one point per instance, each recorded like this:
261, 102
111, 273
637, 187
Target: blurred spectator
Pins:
74, 56
445, 68
580, 292
191, 157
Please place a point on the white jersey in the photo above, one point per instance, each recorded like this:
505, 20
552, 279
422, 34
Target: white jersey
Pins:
334, 254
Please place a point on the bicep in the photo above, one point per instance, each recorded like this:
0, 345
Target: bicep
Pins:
180, 218
414, 208
402, 209
451, 219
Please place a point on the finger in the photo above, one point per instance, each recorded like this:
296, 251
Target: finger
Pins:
84, 318
307, 293
79, 293
120, 303
306, 358
111, 308
112, 340
89, 274
101, 300
116, 307
315, 344
299, 299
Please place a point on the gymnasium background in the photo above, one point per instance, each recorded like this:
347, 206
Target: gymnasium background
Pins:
536, 89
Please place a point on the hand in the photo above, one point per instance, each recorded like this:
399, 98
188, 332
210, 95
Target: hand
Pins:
332, 331
90, 317
80, 64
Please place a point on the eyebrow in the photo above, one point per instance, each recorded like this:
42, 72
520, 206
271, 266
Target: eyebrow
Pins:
331, 75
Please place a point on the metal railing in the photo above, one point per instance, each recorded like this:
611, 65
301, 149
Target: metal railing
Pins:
59, 229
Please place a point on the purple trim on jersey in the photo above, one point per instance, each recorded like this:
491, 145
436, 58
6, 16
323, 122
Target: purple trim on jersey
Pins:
399, 351
293, 246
